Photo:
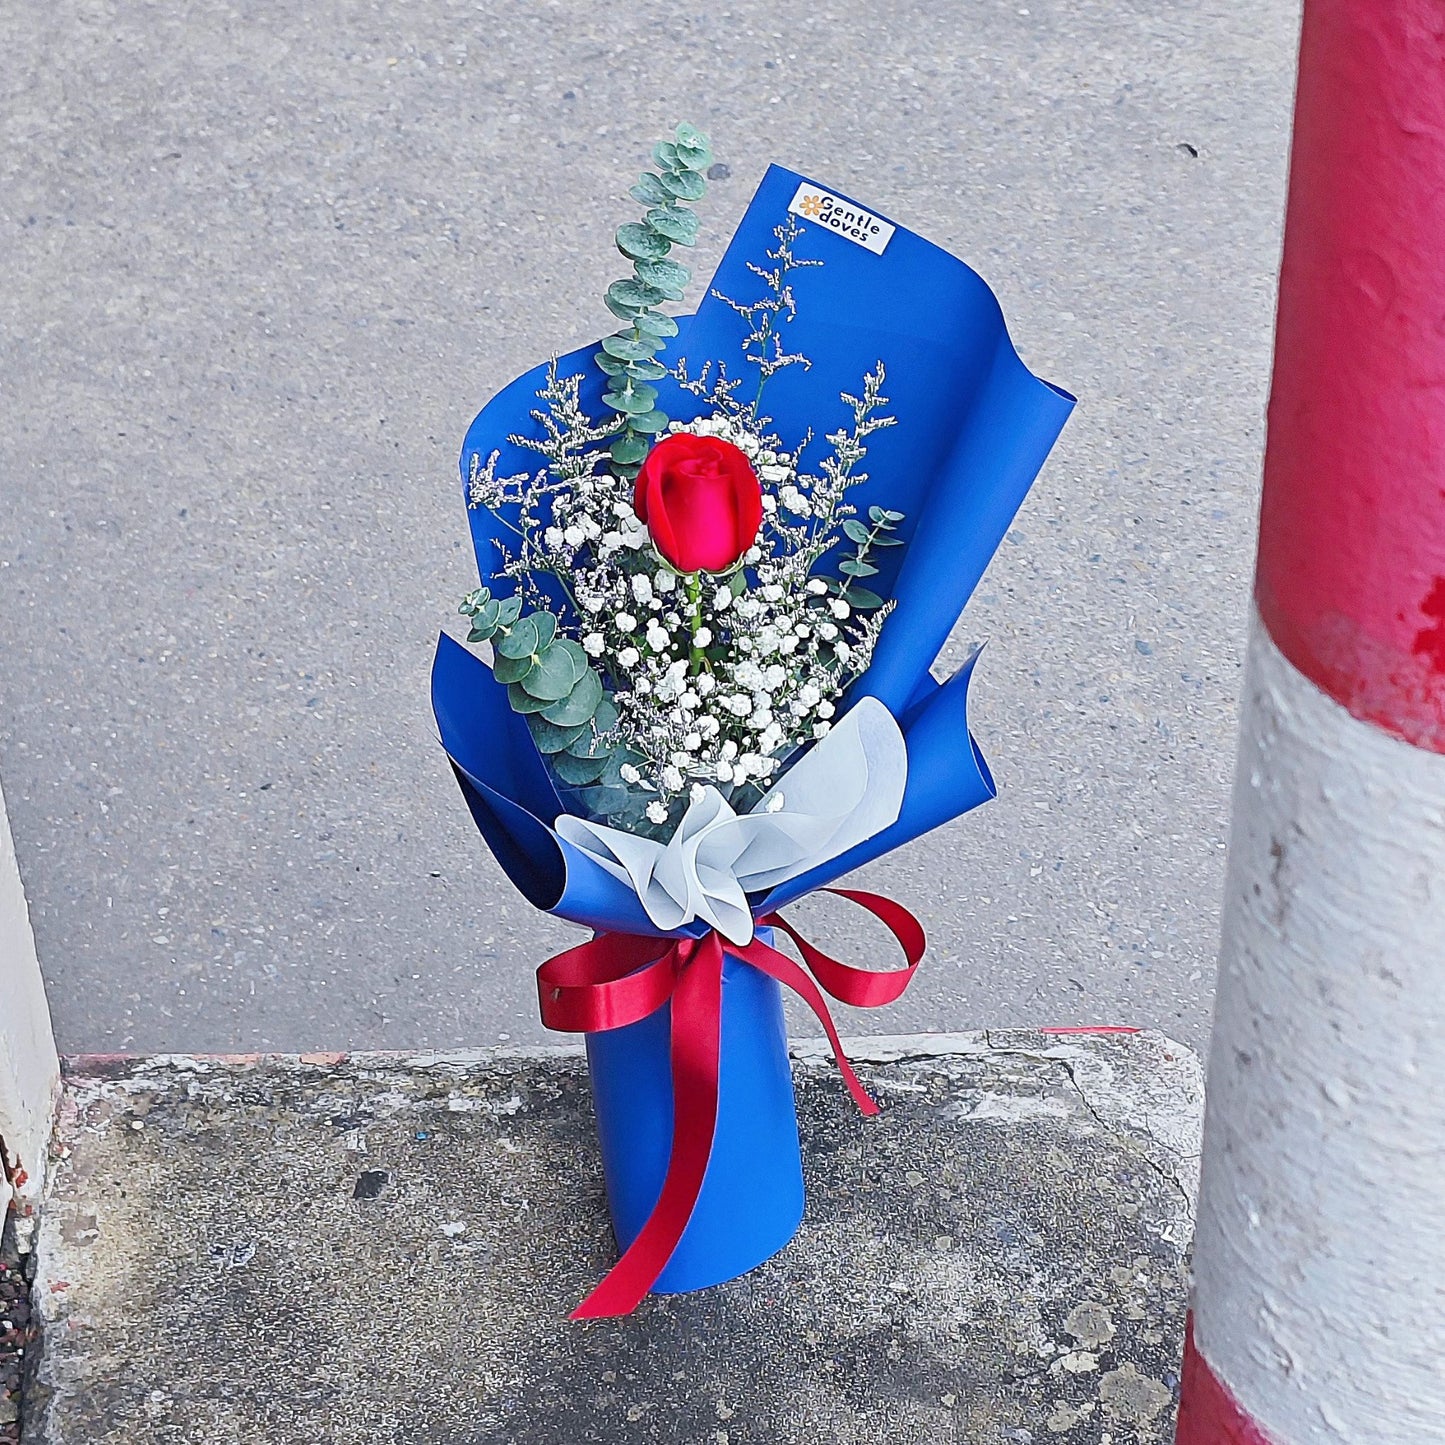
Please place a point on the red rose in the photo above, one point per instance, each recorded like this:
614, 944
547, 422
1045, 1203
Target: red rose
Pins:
701, 500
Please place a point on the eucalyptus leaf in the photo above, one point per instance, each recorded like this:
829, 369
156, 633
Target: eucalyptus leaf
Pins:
688, 134
553, 677
521, 639
580, 704
619, 310
629, 450
639, 242
546, 628
882, 541
627, 348
649, 422
863, 600
522, 700
855, 531
855, 568
607, 802
669, 277
577, 771
695, 158
665, 154
631, 292
657, 323
674, 223
649, 190
548, 736
511, 610
511, 669
645, 370
685, 185
606, 715
636, 399
580, 663
612, 365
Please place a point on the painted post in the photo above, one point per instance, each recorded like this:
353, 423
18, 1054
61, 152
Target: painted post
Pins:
29, 1069
1319, 1308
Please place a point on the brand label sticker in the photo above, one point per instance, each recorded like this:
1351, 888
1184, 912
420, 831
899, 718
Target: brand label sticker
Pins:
857, 225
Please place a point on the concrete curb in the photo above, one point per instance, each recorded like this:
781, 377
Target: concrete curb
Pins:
385, 1246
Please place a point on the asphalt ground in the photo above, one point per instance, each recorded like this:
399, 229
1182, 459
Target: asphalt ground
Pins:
262, 264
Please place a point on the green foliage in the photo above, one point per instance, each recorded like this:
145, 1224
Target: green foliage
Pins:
628, 356
549, 680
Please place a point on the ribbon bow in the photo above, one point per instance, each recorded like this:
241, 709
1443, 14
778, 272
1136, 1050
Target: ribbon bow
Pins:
617, 979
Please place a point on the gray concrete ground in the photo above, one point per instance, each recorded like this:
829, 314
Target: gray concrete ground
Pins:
386, 1248
262, 265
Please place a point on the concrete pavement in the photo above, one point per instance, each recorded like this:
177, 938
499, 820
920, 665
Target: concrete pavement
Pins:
264, 263
386, 1248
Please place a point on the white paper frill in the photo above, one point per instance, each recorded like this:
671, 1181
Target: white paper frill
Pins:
848, 787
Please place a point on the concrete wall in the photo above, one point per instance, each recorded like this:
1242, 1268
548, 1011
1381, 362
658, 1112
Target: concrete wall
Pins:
29, 1069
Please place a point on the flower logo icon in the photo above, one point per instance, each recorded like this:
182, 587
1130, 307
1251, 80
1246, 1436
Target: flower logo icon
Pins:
811, 207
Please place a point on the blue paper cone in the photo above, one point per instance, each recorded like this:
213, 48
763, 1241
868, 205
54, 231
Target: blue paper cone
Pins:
752, 1195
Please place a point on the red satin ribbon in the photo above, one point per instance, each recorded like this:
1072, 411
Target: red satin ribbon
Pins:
617, 979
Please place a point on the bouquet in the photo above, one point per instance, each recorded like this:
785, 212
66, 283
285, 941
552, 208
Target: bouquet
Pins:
719, 554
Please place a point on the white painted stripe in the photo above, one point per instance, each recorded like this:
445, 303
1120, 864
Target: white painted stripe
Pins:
1320, 1253
29, 1070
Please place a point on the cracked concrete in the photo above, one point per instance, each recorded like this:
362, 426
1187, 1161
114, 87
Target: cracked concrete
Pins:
364, 1247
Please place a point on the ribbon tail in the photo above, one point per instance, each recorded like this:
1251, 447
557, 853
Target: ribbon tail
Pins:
696, 1051
794, 976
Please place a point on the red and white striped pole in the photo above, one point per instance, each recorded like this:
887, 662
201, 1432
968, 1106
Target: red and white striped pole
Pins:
1319, 1301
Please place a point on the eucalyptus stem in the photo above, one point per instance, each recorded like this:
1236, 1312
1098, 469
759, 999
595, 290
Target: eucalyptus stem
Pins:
629, 356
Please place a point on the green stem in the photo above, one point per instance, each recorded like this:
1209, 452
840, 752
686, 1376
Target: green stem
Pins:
696, 661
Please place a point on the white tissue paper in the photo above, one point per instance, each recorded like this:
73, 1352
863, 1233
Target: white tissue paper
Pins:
848, 787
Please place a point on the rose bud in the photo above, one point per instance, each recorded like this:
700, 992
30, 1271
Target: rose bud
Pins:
701, 501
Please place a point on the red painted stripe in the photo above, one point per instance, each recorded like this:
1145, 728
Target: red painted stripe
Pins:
1351, 580
1208, 1413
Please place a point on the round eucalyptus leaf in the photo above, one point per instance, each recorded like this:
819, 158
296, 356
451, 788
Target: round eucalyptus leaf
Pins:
520, 639
665, 154
511, 610
612, 365
580, 664
668, 276
553, 676
577, 771
546, 628
606, 801
657, 323
633, 293
629, 450
639, 242
579, 704
685, 185
649, 190
606, 715
854, 530
634, 401
623, 313
645, 370
649, 422
511, 669
628, 348
548, 736
862, 599
676, 224
695, 158
687, 134
523, 701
